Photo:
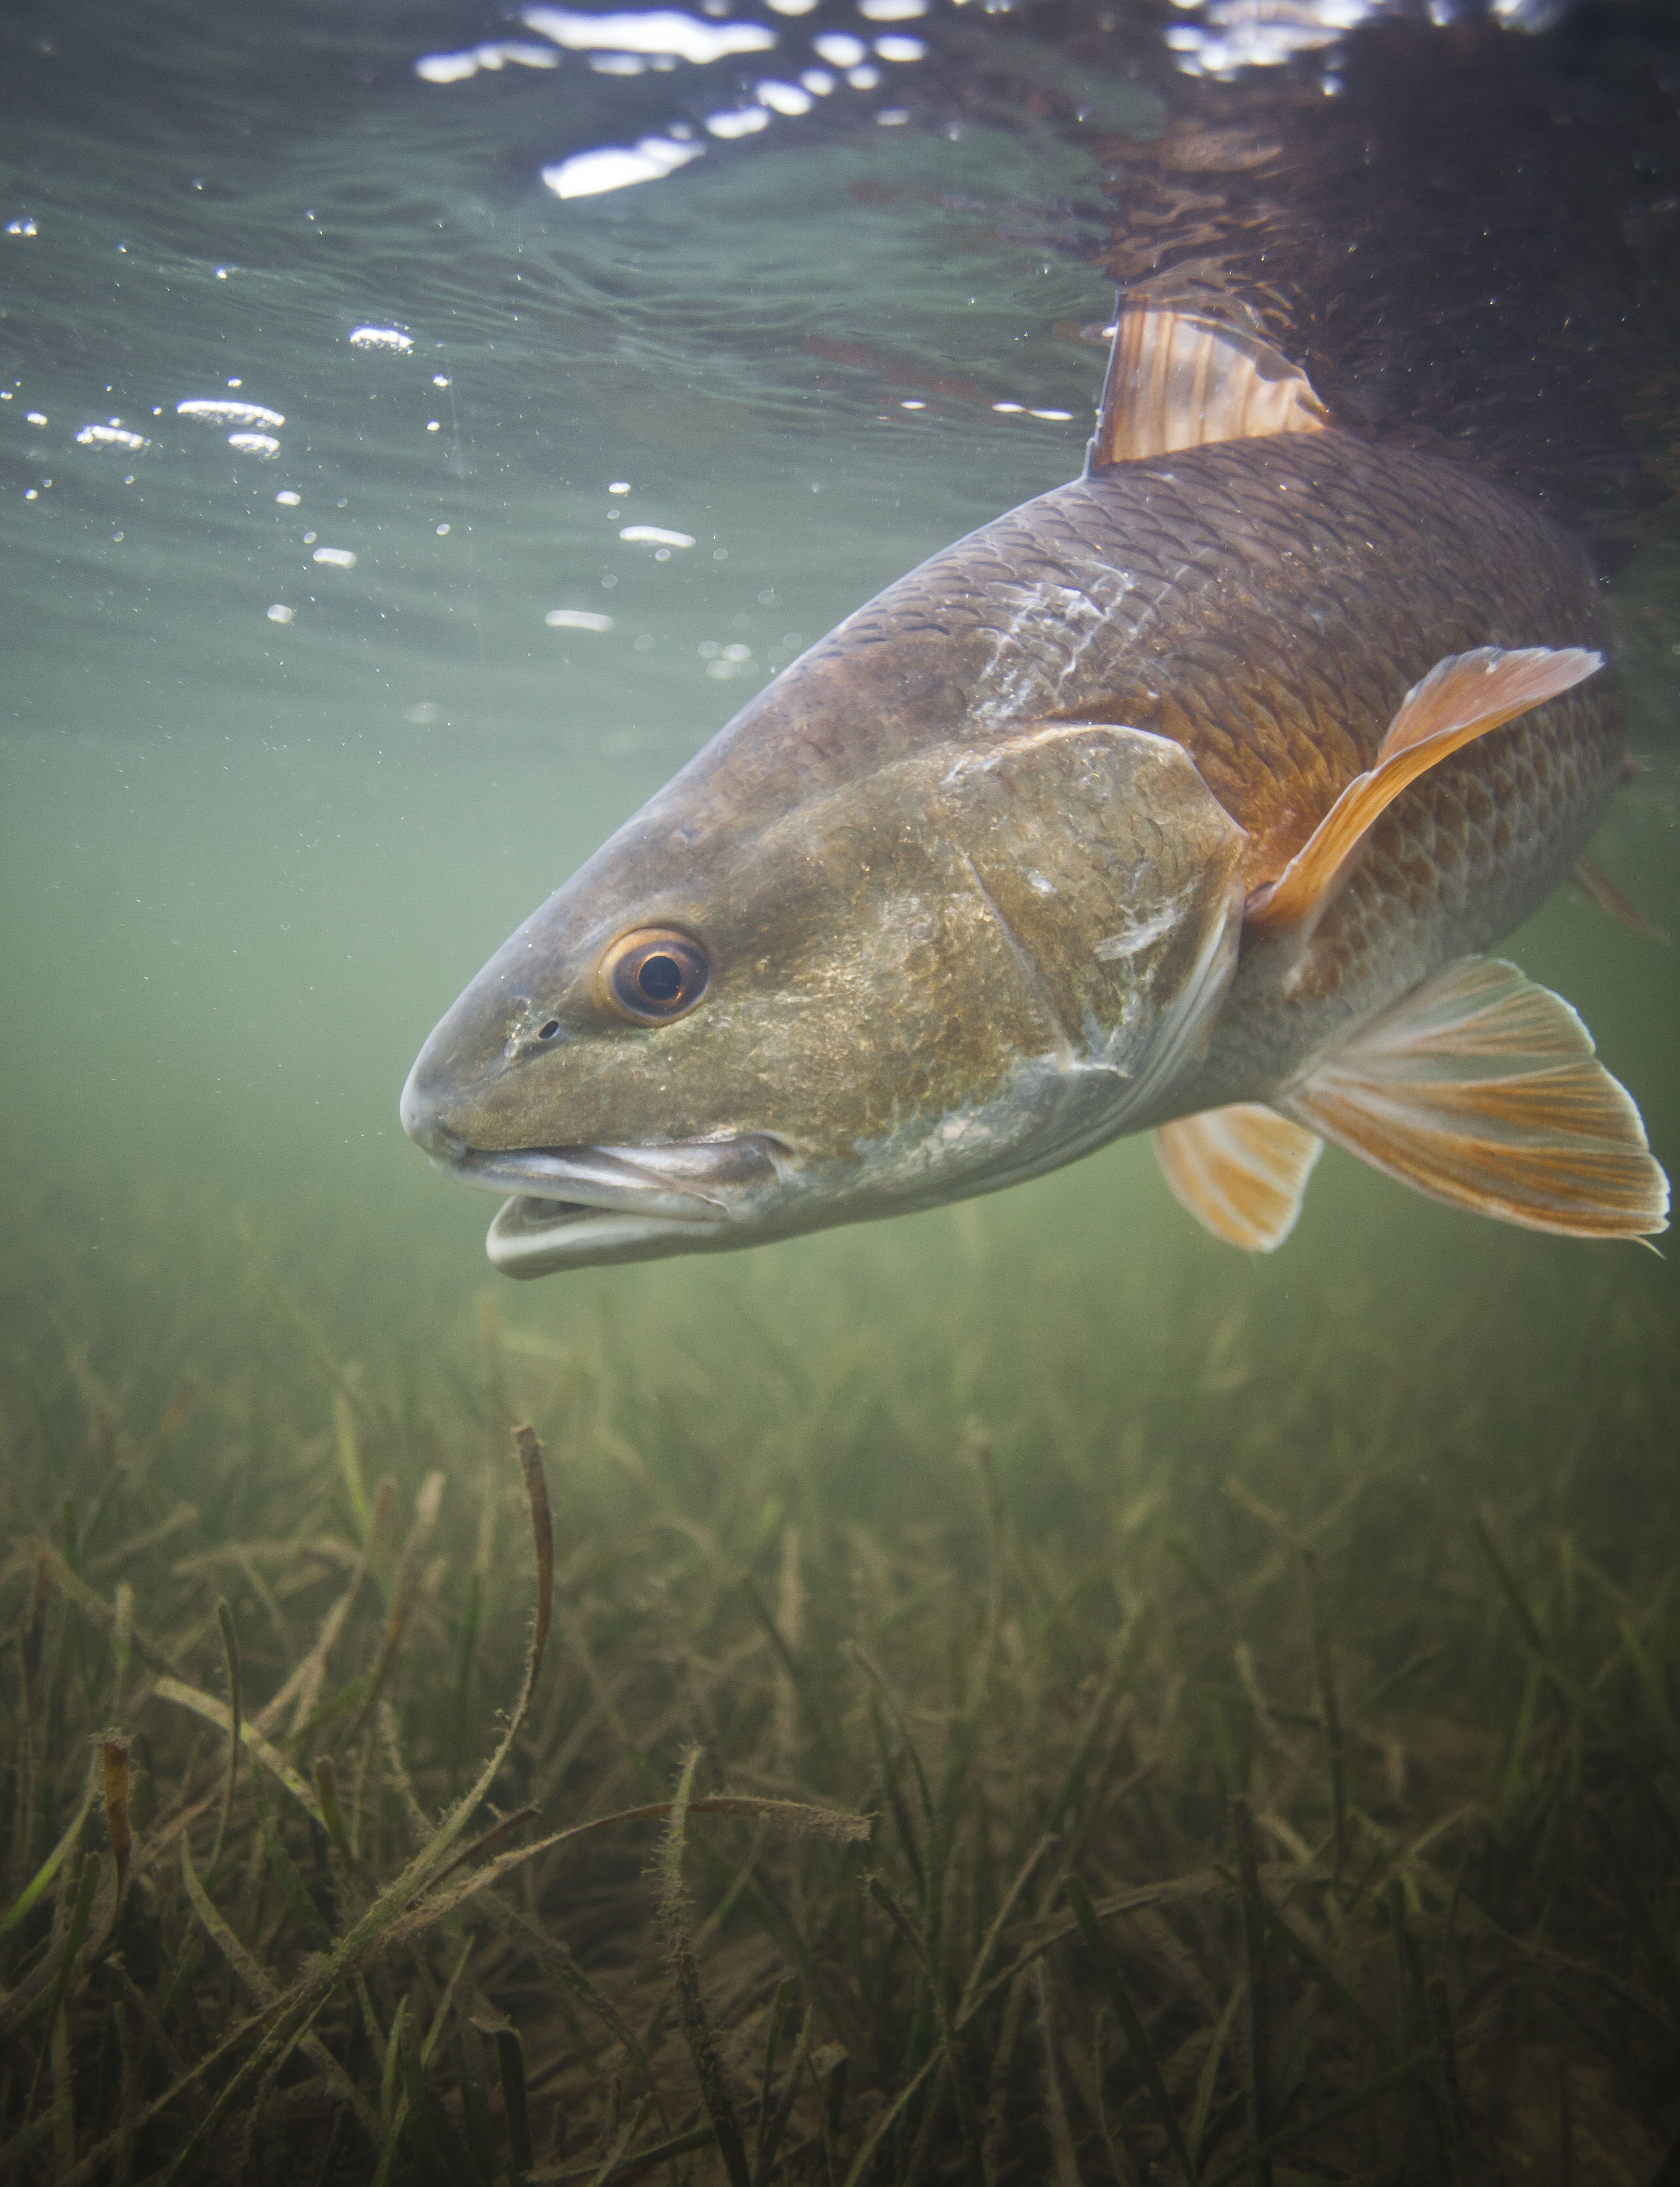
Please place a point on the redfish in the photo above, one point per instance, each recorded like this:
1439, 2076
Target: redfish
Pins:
1186, 798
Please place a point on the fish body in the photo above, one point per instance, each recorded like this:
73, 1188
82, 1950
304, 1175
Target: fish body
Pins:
1263, 604
1140, 807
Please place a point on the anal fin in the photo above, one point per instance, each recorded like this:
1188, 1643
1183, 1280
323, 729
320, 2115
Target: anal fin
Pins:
1482, 1089
1461, 698
1241, 1171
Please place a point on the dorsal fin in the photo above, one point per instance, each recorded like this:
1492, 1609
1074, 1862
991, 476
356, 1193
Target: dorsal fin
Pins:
1178, 379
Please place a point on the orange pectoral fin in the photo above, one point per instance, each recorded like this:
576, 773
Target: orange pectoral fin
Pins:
1482, 1089
1241, 1171
1461, 698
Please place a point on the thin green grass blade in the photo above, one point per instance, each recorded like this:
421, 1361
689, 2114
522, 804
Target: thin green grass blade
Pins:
283, 1870
1120, 2002
1344, 2107
42, 1877
510, 2067
1253, 1903
691, 2011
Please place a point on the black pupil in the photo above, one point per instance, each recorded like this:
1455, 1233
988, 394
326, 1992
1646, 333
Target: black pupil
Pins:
659, 978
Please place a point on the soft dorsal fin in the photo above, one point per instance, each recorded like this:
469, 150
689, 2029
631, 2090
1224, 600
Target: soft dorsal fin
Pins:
1482, 1089
1241, 1171
1178, 380
1462, 697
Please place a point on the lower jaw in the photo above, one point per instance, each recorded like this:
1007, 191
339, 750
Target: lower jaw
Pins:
532, 1237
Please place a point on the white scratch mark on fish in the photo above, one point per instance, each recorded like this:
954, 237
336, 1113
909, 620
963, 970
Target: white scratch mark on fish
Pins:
1114, 947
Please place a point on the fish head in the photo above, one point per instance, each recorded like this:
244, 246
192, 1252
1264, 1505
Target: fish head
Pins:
752, 1014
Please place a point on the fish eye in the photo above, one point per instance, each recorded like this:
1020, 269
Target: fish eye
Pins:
653, 974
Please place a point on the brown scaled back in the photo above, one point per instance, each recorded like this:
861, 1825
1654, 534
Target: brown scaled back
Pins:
1317, 579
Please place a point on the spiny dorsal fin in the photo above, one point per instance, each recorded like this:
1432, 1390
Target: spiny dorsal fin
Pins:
1178, 380
1241, 1171
1462, 697
1482, 1089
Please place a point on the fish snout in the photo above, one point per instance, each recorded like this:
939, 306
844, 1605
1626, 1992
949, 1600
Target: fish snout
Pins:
423, 1118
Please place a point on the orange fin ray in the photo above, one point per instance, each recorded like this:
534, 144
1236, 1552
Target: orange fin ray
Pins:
1482, 1089
1597, 886
1178, 379
1461, 698
1241, 1171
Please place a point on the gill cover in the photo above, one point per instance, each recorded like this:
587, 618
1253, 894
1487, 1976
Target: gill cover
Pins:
1112, 873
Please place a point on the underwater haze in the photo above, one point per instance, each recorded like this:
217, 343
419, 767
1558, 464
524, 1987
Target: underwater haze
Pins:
1328, 1596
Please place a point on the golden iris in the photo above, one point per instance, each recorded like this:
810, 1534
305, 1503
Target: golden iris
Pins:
653, 974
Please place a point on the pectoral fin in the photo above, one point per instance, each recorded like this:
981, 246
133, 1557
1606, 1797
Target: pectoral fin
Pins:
1240, 1171
1482, 1089
1462, 697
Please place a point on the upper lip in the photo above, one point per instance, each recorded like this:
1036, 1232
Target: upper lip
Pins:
691, 1181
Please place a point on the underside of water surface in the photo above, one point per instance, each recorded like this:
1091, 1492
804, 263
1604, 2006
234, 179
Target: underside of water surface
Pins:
1023, 1693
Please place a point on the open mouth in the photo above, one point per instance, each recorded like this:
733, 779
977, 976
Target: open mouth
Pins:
577, 1206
